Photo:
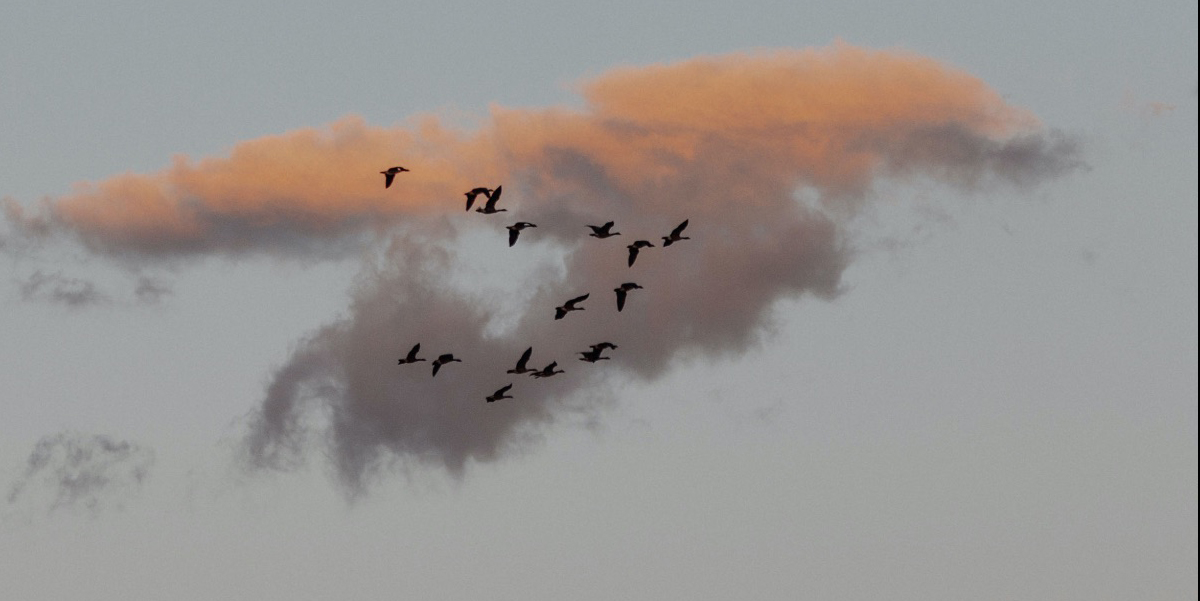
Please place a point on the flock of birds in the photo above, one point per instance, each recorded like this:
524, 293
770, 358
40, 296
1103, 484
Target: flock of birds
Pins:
514, 231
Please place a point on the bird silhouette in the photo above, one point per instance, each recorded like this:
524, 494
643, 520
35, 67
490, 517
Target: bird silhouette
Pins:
675, 237
593, 355
633, 249
603, 231
622, 291
486, 192
603, 345
390, 174
514, 230
412, 355
493, 198
548, 371
560, 312
442, 360
520, 368
499, 394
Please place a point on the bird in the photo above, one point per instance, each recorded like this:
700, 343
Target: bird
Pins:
603, 345
520, 368
442, 360
412, 355
486, 192
593, 355
560, 312
390, 174
675, 237
499, 394
514, 230
622, 291
633, 249
603, 231
548, 371
493, 198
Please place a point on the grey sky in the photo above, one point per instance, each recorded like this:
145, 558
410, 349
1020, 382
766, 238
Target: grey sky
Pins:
999, 404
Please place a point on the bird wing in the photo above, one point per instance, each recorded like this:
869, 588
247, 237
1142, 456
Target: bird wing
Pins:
633, 251
503, 390
524, 358
470, 200
412, 354
387, 179
436, 366
620, 298
512, 236
494, 198
578, 299
679, 229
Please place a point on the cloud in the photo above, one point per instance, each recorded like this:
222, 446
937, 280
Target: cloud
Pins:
767, 155
57, 288
73, 470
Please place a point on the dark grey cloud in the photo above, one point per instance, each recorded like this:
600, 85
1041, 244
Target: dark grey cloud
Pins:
57, 288
71, 470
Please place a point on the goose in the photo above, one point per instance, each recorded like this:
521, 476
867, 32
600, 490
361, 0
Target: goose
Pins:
486, 192
675, 237
520, 368
603, 231
442, 360
499, 394
412, 355
593, 355
548, 371
560, 312
390, 174
622, 291
514, 230
633, 249
493, 198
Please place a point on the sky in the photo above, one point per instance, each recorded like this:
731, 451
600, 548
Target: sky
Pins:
933, 335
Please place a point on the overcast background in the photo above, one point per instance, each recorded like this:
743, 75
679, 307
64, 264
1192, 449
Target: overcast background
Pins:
1000, 404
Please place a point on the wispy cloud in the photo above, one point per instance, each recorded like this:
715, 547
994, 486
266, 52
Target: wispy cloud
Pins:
728, 142
74, 470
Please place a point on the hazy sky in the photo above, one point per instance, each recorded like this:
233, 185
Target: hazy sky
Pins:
934, 336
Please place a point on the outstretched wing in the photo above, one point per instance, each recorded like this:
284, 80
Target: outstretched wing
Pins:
620, 299
524, 358
633, 251
578, 299
512, 236
388, 176
679, 229
412, 354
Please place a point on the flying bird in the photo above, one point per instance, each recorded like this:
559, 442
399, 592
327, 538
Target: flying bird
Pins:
390, 174
412, 355
499, 394
593, 355
493, 198
622, 291
548, 371
603, 231
603, 345
486, 192
442, 360
675, 237
520, 368
560, 312
514, 230
633, 249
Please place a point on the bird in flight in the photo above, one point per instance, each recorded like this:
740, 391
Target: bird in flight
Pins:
548, 371
442, 360
520, 368
603, 231
493, 198
499, 394
486, 192
593, 355
560, 312
633, 249
603, 345
622, 291
514, 230
675, 235
412, 355
390, 174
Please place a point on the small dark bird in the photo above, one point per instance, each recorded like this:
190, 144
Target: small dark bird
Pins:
520, 368
675, 237
493, 198
622, 291
514, 230
412, 355
603, 345
548, 371
499, 394
390, 174
593, 355
560, 312
486, 192
442, 360
633, 249
603, 231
